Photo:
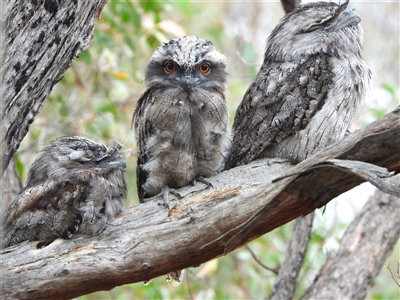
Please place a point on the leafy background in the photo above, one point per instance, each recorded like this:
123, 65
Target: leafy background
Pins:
97, 96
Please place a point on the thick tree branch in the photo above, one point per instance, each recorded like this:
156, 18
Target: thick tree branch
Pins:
205, 224
41, 38
378, 144
364, 247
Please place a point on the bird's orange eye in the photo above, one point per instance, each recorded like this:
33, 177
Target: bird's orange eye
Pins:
170, 67
205, 68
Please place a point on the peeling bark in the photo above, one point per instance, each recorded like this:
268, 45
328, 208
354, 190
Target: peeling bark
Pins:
246, 202
363, 145
40, 39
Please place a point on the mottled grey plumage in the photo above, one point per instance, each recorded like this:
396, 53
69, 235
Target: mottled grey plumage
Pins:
308, 89
74, 187
181, 120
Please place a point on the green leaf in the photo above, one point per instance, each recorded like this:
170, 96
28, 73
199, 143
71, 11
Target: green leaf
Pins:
378, 112
19, 165
316, 237
107, 107
154, 6
390, 87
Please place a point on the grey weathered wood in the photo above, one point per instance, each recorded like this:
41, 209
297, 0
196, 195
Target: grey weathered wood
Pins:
203, 225
244, 204
40, 40
378, 144
363, 249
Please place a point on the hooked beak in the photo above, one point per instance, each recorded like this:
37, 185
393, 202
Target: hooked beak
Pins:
188, 80
348, 18
118, 162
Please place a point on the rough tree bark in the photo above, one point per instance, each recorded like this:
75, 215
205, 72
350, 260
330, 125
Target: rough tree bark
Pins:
247, 202
40, 39
351, 271
205, 224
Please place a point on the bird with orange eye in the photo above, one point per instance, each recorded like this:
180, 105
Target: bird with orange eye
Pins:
170, 67
181, 119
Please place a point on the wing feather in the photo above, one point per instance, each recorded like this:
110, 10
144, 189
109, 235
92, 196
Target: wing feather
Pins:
143, 130
278, 104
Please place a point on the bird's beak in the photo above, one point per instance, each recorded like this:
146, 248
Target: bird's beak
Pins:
347, 18
188, 80
117, 162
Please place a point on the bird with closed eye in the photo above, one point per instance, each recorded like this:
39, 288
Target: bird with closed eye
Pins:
308, 89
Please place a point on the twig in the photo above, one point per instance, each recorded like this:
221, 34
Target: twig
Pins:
273, 270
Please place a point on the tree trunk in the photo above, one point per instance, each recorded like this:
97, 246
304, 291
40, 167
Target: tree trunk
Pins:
40, 40
246, 202
363, 249
285, 284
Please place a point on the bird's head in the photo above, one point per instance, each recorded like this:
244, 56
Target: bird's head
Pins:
70, 155
320, 27
187, 62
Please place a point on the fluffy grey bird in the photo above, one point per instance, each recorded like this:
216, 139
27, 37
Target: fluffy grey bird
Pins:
181, 120
74, 187
308, 89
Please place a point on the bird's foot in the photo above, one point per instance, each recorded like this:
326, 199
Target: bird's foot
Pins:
176, 276
175, 193
147, 282
203, 180
165, 195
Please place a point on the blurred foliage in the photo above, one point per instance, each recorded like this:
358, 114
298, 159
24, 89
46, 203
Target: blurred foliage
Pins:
395, 274
389, 92
96, 98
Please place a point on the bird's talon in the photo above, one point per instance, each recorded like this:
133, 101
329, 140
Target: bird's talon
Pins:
176, 193
205, 181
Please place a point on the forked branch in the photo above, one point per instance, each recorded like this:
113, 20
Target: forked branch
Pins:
206, 223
